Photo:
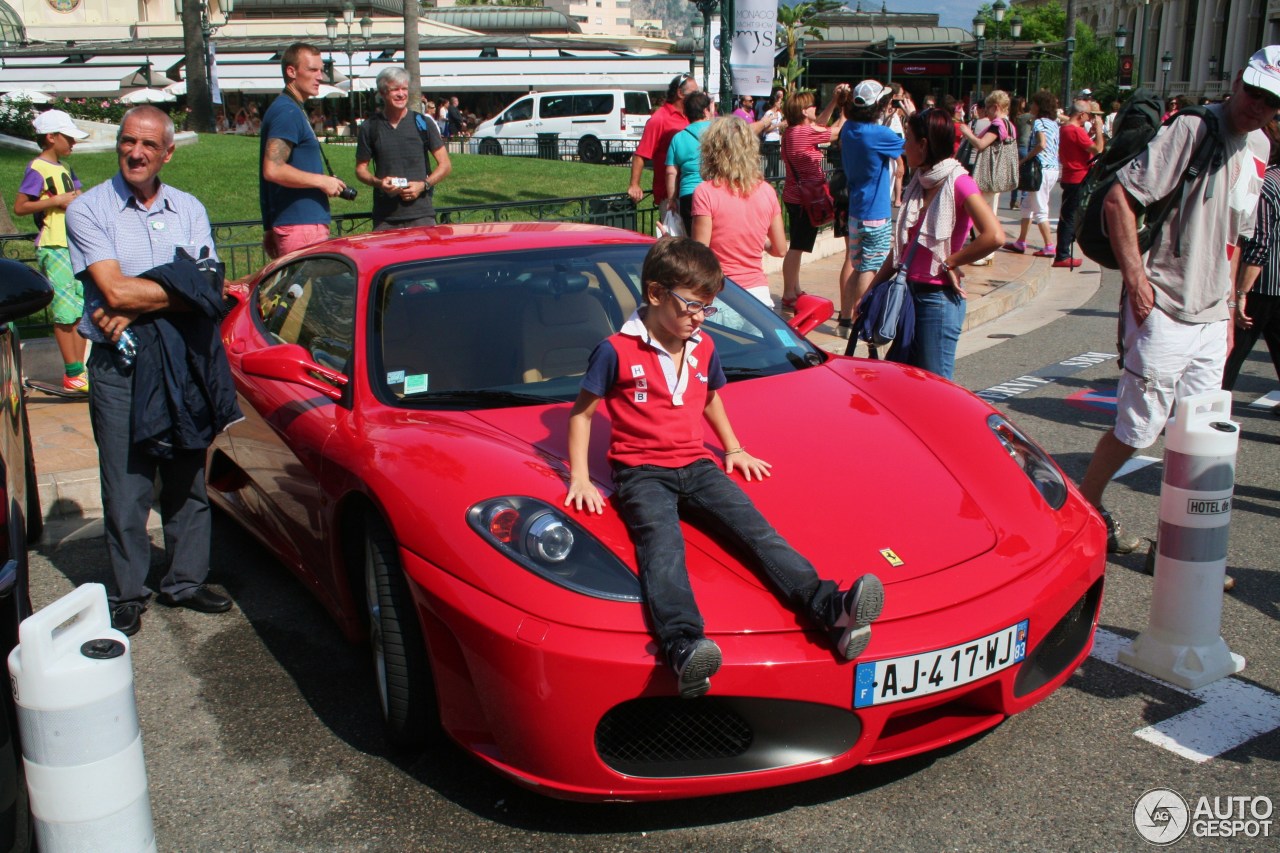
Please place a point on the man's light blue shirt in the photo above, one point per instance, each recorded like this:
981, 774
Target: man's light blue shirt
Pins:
107, 223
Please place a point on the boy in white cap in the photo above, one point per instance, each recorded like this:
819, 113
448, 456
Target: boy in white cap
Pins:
48, 186
1179, 296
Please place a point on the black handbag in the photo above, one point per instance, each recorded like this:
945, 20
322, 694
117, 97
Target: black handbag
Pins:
1030, 175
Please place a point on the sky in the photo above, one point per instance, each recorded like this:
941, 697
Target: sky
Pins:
955, 13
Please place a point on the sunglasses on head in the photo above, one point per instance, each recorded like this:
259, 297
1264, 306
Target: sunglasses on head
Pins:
1258, 94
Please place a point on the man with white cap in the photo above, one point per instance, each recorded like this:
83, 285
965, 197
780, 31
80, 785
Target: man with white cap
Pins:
868, 151
1178, 297
48, 186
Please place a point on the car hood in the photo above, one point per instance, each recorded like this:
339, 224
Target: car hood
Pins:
854, 488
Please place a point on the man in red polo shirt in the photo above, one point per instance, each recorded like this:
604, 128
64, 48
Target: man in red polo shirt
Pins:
666, 121
1076, 148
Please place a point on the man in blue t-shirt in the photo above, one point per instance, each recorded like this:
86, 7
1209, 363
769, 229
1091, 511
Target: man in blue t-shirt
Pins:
867, 152
293, 189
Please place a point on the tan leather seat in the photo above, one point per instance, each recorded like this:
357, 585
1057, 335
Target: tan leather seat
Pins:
562, 325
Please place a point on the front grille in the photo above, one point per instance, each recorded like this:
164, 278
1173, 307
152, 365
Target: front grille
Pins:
1061, 645
667, 737
661, 730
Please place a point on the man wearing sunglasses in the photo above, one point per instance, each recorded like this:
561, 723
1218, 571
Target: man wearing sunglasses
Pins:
1176, 309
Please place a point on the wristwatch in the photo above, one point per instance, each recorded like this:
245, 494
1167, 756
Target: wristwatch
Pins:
945, 267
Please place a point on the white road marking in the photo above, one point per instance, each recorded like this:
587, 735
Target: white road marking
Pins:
1231, 712
1267, 401
1135, 463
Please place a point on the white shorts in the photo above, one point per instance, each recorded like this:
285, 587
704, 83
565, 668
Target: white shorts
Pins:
1036, 205
1164, 359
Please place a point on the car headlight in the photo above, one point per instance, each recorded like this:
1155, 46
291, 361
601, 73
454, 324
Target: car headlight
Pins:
544, 540
1033, 461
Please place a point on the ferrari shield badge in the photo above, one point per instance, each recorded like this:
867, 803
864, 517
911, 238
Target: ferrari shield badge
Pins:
892, 558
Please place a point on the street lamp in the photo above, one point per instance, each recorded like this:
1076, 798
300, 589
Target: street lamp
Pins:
207, 29
1213, 68
979, 30
366, 33
701, 29
1122, 38
1166, 65
997, 11
1071, 50
889, 44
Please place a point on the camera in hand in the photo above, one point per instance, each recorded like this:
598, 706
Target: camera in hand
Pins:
400, 183
348, 194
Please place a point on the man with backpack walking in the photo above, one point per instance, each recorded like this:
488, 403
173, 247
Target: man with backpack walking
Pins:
1177, 292
400, 143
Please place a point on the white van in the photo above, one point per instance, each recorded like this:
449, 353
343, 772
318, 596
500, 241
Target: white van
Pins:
602, 122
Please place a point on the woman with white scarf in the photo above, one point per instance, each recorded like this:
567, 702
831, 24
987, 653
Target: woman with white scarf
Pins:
939, 206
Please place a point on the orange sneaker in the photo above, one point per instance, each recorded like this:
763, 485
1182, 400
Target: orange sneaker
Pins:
78, 384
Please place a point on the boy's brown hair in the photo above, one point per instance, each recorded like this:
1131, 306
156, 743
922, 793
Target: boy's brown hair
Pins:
683, 262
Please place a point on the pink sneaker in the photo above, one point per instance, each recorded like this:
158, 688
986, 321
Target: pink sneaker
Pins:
1047, 252
1019, 246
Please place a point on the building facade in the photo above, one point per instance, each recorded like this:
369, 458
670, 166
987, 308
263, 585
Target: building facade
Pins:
1207, 41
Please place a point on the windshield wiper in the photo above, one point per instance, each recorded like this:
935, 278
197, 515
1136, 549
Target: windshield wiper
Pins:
743, 372
484, 395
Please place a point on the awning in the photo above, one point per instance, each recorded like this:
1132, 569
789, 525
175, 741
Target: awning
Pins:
79, 80
519, 74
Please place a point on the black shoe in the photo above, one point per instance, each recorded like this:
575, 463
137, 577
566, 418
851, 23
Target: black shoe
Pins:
694, 662
202, 598
844, 327
857, 607
127, 617
1119, 540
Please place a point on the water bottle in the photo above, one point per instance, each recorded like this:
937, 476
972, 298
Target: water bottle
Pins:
126, 348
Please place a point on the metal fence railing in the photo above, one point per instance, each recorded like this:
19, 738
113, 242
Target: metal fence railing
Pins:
239, 244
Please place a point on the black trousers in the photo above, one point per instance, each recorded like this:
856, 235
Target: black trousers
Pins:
1067, 219
1264, 311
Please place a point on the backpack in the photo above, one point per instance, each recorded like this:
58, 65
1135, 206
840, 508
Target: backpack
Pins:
1136, 124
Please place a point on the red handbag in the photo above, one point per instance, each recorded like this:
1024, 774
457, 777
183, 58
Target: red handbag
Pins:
816, 199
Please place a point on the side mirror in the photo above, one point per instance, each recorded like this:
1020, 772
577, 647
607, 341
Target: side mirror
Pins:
500, 120
291, 363
23, 291
811, 312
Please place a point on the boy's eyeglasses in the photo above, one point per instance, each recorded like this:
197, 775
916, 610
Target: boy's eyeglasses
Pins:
1272, 101
692, 307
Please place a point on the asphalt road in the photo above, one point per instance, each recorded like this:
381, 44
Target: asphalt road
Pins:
261, 728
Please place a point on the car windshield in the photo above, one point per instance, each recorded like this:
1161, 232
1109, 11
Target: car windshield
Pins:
516, 328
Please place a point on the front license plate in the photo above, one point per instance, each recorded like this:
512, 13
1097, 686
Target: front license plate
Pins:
896, 679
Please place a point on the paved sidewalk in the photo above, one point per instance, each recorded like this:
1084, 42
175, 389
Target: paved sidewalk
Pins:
67, 459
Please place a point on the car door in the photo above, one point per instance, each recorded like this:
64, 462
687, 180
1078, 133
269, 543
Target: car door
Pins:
517, 121
280, 443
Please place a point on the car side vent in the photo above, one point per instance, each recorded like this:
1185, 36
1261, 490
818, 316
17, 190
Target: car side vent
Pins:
1061, 646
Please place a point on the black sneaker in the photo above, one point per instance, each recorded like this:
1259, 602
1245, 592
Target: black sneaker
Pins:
694, 662
1119, 540
857, 608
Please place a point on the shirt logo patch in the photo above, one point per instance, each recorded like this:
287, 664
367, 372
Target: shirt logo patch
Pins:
692, 359
637, 370
700, 376
642, 383
642, 396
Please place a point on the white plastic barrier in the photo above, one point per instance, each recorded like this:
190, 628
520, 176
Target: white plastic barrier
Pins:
72, 678
1182, 643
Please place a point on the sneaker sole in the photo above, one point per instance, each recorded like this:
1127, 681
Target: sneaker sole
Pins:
854, 641
703, 663
869, 601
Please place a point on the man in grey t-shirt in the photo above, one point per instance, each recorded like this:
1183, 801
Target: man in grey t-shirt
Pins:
1177, 297
397, 141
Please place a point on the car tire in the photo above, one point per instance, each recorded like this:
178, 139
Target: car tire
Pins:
490, 147
590, 150
405, 687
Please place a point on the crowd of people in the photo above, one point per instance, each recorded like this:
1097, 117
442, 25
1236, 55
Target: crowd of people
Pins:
134, 248
445, 113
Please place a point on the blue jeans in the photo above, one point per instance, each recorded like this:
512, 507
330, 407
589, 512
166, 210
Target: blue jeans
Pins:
653, 499
939, 317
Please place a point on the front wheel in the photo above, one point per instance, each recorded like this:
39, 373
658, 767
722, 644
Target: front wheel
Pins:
405, 687
590, 150
490, 147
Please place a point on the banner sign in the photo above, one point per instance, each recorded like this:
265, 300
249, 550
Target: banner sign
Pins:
754, 46
917, 69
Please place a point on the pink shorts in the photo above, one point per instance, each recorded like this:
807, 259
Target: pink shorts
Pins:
283, 239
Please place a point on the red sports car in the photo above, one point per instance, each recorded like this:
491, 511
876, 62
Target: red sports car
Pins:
404, 453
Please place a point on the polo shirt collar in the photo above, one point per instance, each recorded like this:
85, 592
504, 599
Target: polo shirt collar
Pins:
125, 197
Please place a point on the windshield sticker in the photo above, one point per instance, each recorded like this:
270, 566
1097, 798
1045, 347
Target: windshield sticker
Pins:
395, 377
784, 335
415, 383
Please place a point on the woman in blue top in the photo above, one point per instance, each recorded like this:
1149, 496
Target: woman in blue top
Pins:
685, 154
1043, 144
